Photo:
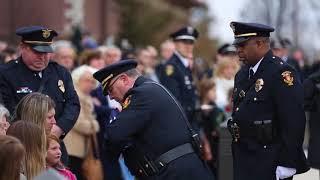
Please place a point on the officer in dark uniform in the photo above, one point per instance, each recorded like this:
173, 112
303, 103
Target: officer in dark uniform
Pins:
312, 106
268, 119
151, 131
34, 72
177, 77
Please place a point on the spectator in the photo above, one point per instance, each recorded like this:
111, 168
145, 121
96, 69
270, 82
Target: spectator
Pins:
53, 159
12, 154
86, 124
4, 117
110, 54
167, 49
224, 79
211, 118
64, 54
31, 137
92, 58
37, 108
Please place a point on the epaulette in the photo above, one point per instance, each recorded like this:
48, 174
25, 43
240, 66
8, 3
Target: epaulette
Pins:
10, 64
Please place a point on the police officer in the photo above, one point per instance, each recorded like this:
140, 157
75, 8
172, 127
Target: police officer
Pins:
151, 130
312, 106
268, 119
34, 72
177, 77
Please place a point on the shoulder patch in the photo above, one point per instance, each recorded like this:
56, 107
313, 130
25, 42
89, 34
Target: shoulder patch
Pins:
287, 78
126, 102
169, 70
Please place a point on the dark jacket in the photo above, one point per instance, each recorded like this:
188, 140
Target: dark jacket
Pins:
312, 105
274, 94
154, 124
178, 80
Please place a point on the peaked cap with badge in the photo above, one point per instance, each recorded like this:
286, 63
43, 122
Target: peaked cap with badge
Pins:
243, 31
105, 75
38, 37
185, 33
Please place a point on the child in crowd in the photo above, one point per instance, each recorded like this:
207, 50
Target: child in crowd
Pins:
12, 153
211, 118
53, 158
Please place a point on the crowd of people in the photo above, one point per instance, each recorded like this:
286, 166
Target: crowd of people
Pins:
38, 131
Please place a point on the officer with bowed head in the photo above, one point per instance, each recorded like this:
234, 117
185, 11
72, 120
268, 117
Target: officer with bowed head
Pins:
268, 119
154, 144
34, 72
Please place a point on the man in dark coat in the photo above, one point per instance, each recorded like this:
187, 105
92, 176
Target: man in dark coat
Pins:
177, 77
151, 130
268, 119
34, 72
312, 105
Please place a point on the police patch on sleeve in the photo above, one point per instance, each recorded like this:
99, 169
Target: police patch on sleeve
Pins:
287, 78
169, 70
126, 102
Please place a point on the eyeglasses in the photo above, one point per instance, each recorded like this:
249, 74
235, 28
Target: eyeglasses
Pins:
110, 87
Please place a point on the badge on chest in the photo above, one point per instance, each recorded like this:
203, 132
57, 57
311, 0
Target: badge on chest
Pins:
259, 84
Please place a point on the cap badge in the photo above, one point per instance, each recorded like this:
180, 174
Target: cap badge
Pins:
259, 85
287, 78
46, 33
190, 30
126, 102
61, 86
169, 70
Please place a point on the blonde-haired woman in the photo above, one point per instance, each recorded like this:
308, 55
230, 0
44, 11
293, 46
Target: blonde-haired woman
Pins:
12, 153
225, 71
37, 108
30, 136
86, 124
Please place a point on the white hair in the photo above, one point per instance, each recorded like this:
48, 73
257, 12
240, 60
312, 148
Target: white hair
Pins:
62, 44
78, 72
4, 111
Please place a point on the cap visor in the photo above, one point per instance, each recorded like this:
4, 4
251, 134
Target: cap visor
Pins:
240, 40
42, 48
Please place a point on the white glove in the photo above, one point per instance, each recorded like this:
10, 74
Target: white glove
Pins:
284, 172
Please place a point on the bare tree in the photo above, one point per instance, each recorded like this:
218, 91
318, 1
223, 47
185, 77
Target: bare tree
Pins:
297, 20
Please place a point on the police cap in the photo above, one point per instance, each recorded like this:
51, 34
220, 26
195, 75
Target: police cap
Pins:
226, 49
105, 75
38, 37
185, 33
243, 31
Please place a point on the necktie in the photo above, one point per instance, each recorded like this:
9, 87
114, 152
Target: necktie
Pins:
251, 73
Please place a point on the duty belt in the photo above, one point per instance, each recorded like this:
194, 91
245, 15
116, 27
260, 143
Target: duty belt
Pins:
261, 131
173, 154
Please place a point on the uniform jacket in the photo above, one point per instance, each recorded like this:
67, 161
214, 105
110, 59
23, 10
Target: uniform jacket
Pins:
152, 121
178, 80
312, 105
77, 139
273, 93
16, 81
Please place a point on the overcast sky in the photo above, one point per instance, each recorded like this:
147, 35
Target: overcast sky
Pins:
224, 11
